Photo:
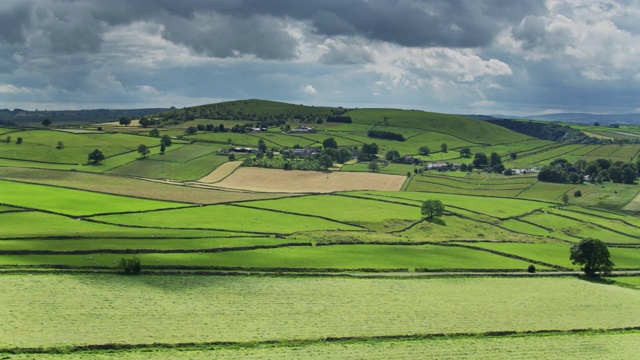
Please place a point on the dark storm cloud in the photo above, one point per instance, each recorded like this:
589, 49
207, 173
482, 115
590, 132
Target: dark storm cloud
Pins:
455, 23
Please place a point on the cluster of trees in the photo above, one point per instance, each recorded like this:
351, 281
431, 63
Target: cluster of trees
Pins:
339, 119
492, 163
267, 116
385, 135
557, 132
600, 170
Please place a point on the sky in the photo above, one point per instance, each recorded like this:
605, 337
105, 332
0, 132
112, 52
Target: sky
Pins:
514, 57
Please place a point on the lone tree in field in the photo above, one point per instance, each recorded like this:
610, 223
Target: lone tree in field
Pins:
154, 132
444, 147
143, 150
46, 122
432, 208
96, 157
373, 166
124, 121
594, 255
165, 140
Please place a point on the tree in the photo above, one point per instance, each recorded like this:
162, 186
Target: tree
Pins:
465, 152
60, 145
165, 140
444, 147
144, 122
392, 155
373, 166
46, 122
480, 160
162, 149
19, 141
330, 143
154, 132
325, 161
143, 150
495, 159
262, 146
424, 150
565, 199
629, 175
124, 121
596, 124
191, 130
432, 208
513, 156
594, 255
96, 157
8, 139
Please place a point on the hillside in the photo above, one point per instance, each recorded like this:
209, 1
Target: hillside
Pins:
262, 228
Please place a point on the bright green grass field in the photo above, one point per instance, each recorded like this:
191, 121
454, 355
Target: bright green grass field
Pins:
616, 225
613, 346
460, 126
382, 257
226, 217
632, 280
501, 209
342, 208
156, 168
627, 258
40, 145
73, 202
22, 226
46, 310
145, 243
579, 229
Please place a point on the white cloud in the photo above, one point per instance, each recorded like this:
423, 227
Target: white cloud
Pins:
309, 89
11, 89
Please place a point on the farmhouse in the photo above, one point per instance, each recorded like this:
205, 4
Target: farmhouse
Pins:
437, 166
239, 150
305, 152
256, 129
524, 171
302, 129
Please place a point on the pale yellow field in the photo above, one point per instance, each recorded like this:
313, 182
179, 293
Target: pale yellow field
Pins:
274, 180
633, 205
221, 172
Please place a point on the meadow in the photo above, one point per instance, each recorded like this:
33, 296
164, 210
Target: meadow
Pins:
246, 262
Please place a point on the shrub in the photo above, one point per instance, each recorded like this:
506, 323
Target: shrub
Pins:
578, 193
531, 269
130, 266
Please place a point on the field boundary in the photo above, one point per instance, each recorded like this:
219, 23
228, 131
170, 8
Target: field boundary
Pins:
212, 345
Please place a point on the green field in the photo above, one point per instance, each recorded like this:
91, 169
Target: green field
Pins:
285, 273
181, 308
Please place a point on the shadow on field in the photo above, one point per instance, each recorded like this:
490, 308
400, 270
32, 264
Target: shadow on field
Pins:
437, 222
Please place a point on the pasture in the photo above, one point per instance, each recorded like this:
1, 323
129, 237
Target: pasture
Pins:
245, 262
61, 310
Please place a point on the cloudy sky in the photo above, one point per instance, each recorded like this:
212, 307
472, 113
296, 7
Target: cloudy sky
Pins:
457, 56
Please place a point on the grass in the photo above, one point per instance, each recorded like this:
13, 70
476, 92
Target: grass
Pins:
342, 208
225, 217
609, 345
127, 186
22, 226
502, 209
54, 310
373, 256
74, 202
40, 145
579, 229
157, 168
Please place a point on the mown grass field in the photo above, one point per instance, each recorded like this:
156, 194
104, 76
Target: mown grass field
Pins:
54, 310
609, 345
291, 264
